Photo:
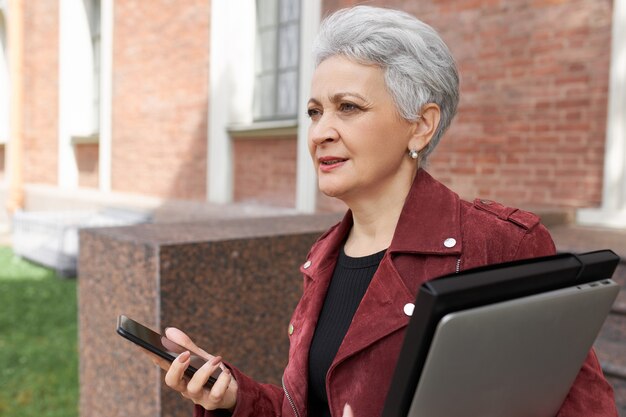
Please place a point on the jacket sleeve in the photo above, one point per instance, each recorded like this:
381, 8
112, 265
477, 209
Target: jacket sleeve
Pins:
253, 399
535, 242
591, 395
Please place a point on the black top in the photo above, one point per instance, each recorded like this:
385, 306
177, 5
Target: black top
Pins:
350, 280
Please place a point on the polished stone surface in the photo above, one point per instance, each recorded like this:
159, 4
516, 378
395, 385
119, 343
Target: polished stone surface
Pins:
231, 284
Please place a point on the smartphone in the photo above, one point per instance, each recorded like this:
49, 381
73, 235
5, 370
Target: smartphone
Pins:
160, 345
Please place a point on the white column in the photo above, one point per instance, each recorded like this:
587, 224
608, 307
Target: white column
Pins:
306, 182
4, 80
75, 86
106, 93
613, 210
15, 151
231, 82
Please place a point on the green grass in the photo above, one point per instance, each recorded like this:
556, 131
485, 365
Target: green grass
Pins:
38, 341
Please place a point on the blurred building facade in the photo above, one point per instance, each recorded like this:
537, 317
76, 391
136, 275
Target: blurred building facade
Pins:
202, 100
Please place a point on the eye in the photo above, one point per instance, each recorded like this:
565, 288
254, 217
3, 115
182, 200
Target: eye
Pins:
348, 107
313, 113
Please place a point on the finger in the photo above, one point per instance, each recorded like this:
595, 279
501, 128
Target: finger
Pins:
160, 362
179, 337
195, 386
156, 359
220, 393
174, 378
171, 346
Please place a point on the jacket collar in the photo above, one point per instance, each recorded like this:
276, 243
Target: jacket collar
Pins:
430, 218
430, 221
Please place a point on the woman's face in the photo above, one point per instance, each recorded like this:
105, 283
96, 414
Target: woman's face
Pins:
357, 139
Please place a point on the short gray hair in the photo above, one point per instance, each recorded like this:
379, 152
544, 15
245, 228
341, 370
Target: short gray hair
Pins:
417, 64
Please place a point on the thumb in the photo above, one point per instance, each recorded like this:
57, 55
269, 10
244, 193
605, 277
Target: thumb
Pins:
179, 337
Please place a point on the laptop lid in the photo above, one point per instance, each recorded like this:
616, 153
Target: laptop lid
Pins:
471, 334
516, 358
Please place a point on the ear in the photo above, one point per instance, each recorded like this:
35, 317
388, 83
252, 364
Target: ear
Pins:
425, 127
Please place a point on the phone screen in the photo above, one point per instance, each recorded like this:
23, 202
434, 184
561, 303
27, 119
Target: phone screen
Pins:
160, 345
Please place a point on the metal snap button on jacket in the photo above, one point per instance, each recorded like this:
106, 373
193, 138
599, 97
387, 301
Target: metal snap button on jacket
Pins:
306, 264
449, 242
290, 329
408, 309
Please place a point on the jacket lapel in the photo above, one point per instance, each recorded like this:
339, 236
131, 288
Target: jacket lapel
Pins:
317, 271
380, 312
430, 216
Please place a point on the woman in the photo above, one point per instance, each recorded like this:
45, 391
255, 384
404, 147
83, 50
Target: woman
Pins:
384, 91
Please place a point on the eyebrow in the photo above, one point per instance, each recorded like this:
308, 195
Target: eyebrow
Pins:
340, 96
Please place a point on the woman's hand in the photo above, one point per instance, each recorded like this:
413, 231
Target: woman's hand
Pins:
223, 394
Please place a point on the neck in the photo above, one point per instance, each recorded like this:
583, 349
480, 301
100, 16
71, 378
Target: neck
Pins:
375, 219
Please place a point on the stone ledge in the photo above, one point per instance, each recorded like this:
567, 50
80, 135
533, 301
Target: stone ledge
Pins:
230, 284
551, 217
214, 230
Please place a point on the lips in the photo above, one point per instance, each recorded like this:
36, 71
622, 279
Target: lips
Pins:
331, 160
330, 163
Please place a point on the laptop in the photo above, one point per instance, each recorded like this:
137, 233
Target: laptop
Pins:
503, 340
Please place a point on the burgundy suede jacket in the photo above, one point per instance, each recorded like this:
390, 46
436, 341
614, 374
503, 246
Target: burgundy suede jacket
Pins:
475, 234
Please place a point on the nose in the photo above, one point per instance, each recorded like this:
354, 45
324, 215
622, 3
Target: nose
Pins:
323, 130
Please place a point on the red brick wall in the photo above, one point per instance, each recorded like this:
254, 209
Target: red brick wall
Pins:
87, 164
41, 77
530, 129
160, 90
265, 170
534, 78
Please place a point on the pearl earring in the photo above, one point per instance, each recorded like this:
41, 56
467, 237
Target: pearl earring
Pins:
413, 154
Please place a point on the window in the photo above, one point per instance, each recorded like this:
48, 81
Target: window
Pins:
277, 56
